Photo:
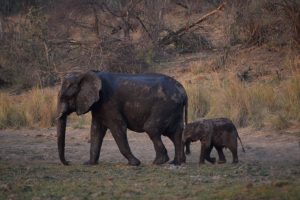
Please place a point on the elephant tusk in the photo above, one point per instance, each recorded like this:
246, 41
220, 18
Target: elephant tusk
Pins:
59, 116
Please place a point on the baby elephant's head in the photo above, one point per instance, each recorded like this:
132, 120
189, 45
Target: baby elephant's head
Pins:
190, 135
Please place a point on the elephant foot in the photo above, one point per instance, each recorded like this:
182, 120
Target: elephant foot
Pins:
211, 160
89, 162
201, 163
64, 162
161, 159
187, 152
134, 162
235, 161
175, 162
221, 161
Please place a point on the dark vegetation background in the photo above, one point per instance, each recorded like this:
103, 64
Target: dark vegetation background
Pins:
40, 40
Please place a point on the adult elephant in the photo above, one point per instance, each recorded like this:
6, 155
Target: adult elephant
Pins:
151, 103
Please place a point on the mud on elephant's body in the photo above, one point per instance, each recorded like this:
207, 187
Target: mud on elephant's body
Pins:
218, 133
151, 103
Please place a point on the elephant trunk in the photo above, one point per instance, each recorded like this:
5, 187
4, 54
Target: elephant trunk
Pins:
61, 132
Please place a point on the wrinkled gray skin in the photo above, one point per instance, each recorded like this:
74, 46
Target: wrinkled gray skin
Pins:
218, 133
151, 103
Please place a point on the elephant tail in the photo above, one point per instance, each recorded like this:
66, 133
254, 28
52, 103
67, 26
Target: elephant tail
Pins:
240, 141
186, 111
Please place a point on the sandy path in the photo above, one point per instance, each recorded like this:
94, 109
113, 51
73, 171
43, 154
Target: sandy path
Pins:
39, 146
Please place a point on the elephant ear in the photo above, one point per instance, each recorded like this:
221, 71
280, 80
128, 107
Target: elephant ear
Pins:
88, 94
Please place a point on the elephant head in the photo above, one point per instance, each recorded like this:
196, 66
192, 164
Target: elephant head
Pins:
77, 94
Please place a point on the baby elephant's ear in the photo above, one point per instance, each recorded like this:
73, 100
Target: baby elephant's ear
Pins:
88, 94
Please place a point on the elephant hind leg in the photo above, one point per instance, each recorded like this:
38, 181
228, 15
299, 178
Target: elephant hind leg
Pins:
234, 154
222, 158
160, 149
176, 138
207, 155
161, 152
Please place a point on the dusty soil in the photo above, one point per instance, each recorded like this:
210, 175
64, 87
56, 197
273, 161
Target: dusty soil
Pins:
39, 146
30, 169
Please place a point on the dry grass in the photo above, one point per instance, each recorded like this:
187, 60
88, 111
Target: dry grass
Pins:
246, 104
36, 108
256, 103
10, 115
289, 97
198, 101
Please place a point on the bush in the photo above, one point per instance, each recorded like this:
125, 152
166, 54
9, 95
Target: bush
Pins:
192, 42
256, 22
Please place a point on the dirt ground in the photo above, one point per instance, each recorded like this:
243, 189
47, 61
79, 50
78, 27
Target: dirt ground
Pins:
30, 169
39, 146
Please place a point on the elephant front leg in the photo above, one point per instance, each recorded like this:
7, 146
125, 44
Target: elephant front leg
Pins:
120, 137
97, 134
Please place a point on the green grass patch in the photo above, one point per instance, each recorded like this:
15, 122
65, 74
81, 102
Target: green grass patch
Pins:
119, 181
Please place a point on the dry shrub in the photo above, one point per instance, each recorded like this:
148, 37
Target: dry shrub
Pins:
291, 11
192, 42
256, 22
124, 56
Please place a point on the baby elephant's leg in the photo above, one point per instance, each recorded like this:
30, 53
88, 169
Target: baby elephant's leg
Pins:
207, 155
202, 153
187, 148
222, 158
205, 152
234, 154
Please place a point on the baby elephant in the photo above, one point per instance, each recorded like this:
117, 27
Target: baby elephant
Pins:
218, 133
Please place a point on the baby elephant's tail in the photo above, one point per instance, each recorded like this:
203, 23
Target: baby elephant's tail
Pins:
240, 142
237, 135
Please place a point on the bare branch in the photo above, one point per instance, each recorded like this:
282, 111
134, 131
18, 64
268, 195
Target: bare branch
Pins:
170, 38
